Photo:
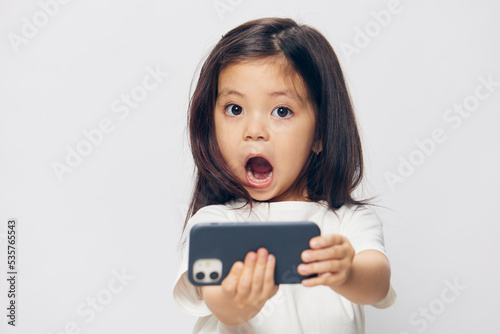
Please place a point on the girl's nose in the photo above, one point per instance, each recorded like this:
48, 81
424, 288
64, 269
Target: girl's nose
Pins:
256, 128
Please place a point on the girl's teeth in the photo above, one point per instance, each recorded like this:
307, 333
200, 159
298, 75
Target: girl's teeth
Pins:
254, 178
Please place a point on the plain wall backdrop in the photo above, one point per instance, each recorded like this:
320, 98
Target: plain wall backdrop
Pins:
96, 168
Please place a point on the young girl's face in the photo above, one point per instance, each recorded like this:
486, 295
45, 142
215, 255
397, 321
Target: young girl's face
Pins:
264, 124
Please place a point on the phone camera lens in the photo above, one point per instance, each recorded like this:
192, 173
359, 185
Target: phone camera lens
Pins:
200, 276
214, 275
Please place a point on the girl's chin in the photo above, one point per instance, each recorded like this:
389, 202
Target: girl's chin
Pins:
271, 195
268, 196
260, 196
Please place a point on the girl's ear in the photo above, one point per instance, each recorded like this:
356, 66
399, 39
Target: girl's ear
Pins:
317, 146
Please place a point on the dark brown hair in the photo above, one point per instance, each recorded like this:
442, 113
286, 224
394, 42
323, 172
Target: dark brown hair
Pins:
330, 176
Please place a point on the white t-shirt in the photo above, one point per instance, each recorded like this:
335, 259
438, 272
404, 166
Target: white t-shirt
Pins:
294, 308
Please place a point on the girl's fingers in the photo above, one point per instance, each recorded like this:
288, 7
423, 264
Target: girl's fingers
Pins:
270, 288
259, 270
252, 279
329, 279
323, 241
246, 277
329, 253
321, 267
230, 283
330, 257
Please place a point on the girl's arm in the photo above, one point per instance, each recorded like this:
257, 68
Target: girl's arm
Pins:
363, 278
245, 290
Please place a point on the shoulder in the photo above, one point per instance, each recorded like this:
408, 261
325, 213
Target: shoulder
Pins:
362, 226
351, 214
217, 213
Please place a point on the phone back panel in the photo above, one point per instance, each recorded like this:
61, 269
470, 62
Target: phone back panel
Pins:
230, 242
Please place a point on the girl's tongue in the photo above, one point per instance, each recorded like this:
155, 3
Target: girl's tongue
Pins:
259, 168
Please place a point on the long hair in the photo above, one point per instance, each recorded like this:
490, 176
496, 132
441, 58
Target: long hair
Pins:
330, 176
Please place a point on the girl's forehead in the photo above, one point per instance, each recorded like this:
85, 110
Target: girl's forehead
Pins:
277, 67
275, 64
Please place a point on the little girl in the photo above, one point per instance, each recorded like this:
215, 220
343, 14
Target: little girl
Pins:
274, 138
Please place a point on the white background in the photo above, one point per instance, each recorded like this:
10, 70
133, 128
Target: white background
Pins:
121, 209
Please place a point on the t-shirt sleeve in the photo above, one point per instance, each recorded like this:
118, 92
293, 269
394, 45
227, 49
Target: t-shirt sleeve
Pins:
187, 295
363, 228
389, 300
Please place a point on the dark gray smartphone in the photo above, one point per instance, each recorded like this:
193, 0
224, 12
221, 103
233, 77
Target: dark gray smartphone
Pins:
214, 247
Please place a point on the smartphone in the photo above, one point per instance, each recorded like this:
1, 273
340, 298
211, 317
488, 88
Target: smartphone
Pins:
214, 247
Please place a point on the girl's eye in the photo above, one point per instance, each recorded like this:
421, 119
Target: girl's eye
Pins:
234, 110
282, 112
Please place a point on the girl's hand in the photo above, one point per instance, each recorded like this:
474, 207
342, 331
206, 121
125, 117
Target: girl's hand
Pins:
251, 284
245, 290
330, 257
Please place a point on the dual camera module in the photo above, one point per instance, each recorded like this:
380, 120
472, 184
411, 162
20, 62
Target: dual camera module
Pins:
201, 275
207, 270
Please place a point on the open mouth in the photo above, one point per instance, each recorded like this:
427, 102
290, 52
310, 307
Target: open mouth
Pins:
259, 172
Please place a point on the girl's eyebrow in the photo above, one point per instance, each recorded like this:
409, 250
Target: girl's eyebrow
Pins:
288, 93
223, 92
